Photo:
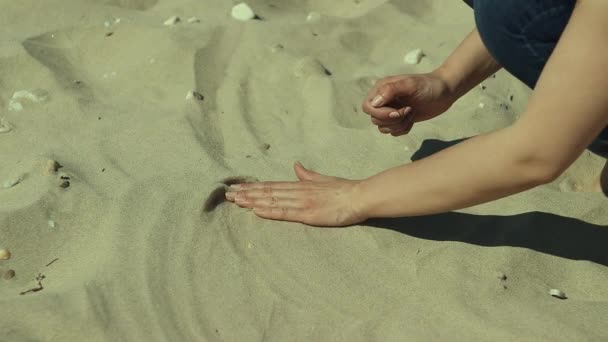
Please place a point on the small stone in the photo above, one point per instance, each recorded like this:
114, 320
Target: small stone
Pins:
51, 224
313, 17
5, 127
109, 34
194, 95
193, 20
5, 254
414, 56
266, 146
557, 294
10, 274
243, 12
511, 98
501, 276
64, 184
482, 105
172, 21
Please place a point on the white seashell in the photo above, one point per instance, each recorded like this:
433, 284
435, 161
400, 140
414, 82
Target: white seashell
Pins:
414, 56
242, 12
5, 254
12, 182
193, 20
482, 105
557, 293
172, 21
313, 16
51, 223
36, 95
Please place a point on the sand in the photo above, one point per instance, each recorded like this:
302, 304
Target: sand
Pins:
133, 249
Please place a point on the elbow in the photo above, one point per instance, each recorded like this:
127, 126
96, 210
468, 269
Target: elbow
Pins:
537, 171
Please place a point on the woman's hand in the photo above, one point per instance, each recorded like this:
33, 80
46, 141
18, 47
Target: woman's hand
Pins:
315, 199
396, 103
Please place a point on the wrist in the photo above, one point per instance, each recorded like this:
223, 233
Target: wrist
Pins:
450, 80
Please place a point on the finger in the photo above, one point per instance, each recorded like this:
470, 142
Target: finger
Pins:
281, 214
265, 193
269, 202
389, 90
405, 131
403, 115
396, 129
267, 185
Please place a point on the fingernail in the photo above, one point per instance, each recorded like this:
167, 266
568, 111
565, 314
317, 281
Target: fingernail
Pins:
394, 115
235, 186
377, 101
230, 194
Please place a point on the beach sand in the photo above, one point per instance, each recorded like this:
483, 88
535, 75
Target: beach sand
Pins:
133, 249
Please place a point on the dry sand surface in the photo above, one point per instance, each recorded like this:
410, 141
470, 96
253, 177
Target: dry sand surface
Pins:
133, 249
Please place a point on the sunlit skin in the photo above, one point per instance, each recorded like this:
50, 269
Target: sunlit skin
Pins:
567, 110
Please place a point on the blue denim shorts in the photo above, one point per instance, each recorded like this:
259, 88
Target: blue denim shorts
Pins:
521, 35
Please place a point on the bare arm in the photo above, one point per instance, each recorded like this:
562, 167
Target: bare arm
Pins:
567, 111
467, 66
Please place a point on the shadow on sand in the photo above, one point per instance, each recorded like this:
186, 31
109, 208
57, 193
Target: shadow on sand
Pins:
543, 232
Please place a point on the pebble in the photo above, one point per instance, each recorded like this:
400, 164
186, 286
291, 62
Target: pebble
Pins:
313, 17
10, 274
277, 47
482, 105
51, 224
172, 21
557, 294
12, 182
64, 184
194, 95
242, 12
414, 56
193, 20
501, 276
5, 254
5, 127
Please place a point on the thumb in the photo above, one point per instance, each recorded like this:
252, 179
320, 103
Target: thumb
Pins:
387, 92
304, 174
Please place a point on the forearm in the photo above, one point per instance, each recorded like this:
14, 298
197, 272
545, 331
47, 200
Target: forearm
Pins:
468, 65
479, 170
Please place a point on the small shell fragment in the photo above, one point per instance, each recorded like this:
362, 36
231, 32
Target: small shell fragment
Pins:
482, 105
193, 20
52, 167
5, 254
242, 12
51, 224
558, 294
172, 21
313, 17
414, 57
9, 183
